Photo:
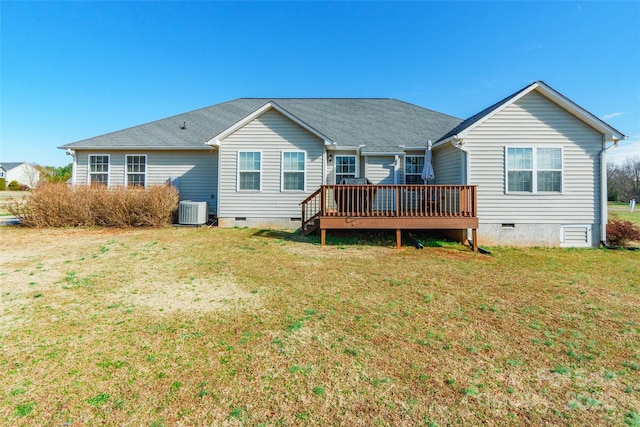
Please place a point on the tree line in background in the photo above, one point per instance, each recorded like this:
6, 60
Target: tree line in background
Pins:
55, 174
623, 180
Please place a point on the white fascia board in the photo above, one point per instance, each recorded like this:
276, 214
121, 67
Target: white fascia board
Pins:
600, 125
451, 140
137, 148
464, 132
610, 133
260, 111
383, 153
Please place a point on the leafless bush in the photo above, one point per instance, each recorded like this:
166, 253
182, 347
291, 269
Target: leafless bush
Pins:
58, 205
621, 232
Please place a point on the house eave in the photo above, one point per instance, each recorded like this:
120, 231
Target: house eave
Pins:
135, 148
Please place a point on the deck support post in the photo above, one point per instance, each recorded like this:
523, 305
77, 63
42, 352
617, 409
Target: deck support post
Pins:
323, 236
398, 238
474, 237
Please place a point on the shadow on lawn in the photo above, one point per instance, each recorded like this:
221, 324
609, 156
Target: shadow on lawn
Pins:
376, 238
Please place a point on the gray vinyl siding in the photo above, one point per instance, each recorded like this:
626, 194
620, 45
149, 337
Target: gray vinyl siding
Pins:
381, 170
197, 171
534, 121
448, 165
271, 134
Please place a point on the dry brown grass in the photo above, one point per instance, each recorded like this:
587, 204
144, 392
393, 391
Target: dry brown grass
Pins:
59, 205
186, 326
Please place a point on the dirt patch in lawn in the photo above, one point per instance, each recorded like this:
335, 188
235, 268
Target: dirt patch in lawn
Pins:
197, 296
132, 269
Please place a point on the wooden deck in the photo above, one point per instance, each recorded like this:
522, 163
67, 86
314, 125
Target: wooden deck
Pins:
391, 207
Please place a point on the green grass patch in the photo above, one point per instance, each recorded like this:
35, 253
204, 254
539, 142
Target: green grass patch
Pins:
206, 326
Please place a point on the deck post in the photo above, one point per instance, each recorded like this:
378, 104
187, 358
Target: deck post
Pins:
398, 238
474, 236
323, 236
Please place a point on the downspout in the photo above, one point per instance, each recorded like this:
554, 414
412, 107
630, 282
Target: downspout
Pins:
604, 215
358, 162
396, 169
72, 153
458, 142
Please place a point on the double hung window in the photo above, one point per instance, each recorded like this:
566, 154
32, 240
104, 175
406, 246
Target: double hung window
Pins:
534, 170
345, 167
136, 170
98, 169
413, 166
249, 170
293, 170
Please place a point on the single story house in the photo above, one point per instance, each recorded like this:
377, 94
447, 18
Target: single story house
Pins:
22, 172
528, 170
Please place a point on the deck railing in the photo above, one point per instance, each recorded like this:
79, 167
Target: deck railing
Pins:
392, 201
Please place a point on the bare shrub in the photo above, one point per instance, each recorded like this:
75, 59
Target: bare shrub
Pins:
621, 232
58, 205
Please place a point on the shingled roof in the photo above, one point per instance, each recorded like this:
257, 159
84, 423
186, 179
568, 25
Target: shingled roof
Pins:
546, 91
10, 165
379, 124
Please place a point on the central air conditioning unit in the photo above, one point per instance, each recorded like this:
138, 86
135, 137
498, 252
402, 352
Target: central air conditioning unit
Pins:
192, 213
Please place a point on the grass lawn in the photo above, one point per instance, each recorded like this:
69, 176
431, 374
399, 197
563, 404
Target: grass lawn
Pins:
623, 211
207, 326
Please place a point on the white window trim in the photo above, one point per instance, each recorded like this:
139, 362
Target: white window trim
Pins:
282, 171
126, 172
534, 169
108, 156
335, 163
404, 164
238, 170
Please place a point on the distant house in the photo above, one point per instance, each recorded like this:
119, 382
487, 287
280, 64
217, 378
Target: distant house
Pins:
528, 170
23, 173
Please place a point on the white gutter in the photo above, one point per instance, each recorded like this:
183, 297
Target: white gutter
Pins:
604, 214
384, 153
140, 148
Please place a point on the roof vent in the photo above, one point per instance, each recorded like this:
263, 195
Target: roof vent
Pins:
184, 125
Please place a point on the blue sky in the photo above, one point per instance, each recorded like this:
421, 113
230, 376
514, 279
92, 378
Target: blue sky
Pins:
74, 70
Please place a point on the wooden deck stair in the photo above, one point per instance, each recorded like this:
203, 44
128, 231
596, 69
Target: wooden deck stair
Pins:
311, 225
393, 207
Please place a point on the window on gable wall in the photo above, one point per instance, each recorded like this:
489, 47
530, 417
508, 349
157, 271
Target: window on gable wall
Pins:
136, 170
249, 170
293, 169
534, 170
98, 169
413, 166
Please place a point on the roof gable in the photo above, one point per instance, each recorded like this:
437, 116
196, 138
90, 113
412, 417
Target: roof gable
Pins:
554, 96
259, 112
